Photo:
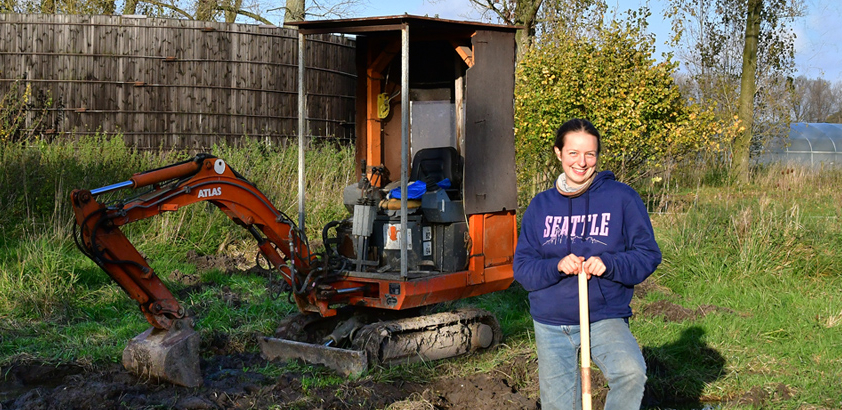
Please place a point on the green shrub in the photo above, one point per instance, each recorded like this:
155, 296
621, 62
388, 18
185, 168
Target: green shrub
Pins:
610, 78
23, 116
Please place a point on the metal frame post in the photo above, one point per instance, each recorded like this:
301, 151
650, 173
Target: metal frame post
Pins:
404, 142
302, 130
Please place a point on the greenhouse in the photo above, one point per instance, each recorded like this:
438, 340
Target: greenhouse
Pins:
816, 144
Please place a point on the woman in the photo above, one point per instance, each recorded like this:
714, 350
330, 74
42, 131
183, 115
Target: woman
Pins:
587, 221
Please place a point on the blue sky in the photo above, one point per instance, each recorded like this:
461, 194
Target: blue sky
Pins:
818, 53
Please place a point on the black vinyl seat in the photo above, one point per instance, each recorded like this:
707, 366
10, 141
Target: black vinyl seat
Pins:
432, 165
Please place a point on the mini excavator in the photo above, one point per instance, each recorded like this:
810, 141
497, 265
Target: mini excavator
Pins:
432, 222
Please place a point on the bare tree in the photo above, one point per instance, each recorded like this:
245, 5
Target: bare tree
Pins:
58, 6
814, 100
206, 10
521, 13
536, 17
739, 52
298, 10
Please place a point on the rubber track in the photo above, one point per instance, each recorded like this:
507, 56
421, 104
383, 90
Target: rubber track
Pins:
429, 337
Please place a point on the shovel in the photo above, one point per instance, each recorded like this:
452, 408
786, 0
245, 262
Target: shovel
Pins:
585, 334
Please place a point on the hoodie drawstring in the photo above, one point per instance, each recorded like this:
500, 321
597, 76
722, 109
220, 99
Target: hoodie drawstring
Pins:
569, 234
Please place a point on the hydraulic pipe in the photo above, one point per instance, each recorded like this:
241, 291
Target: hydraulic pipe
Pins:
112, 187
165, 174
152, 177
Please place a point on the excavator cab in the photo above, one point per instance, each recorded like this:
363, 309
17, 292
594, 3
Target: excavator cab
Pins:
433, 216
431, 220
435, 141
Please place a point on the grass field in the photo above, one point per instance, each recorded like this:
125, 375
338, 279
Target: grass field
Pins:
768, 255
756, 269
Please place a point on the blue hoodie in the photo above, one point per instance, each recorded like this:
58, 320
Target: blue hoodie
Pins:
609, 220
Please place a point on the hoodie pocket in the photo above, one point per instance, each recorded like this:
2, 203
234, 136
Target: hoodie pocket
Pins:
596, 299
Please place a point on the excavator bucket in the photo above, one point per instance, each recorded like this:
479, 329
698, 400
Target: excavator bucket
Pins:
166, 355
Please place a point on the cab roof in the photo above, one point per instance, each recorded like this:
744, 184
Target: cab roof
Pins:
390, 23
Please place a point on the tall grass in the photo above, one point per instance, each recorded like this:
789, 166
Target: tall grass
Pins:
767, 254
36, 179
39, 266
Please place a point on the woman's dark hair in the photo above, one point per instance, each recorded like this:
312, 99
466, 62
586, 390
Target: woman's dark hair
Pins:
576, 125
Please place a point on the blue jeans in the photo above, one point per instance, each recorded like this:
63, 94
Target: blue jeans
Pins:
613, 349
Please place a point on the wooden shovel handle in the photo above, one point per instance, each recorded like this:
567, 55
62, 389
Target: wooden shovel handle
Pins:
585, 334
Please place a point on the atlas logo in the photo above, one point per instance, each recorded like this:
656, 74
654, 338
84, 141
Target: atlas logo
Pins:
208, 192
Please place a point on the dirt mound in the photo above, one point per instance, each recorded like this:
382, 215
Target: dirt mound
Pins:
184, 278
468, 392
222, 262
760, 397
229, 384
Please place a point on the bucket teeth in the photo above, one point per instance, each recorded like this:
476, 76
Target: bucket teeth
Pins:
166, 355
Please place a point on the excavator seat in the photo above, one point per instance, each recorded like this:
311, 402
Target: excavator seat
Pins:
432, 165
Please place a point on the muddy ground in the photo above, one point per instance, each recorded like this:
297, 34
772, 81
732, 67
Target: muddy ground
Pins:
230, 384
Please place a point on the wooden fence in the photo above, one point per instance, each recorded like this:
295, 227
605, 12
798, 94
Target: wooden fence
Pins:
166, 83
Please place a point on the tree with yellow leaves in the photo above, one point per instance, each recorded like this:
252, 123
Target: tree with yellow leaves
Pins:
608, 75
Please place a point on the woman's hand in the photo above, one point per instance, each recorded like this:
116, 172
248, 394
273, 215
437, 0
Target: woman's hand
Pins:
570, 264
594, 266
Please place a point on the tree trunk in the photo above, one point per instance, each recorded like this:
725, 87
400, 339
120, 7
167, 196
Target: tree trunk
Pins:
525, 14
748, 87
205, 10
521, 13
294, 11
130, 7
231, 16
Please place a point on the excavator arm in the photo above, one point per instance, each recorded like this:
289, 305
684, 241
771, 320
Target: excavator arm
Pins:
202, 178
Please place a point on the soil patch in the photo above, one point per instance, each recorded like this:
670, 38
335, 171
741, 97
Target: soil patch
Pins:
222, 262
229, 384
760, 397
466, 393
649, 286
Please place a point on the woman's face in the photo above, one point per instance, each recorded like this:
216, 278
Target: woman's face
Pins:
578, 157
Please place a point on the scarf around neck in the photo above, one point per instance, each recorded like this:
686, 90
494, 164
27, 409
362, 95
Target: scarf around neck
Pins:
569, 191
